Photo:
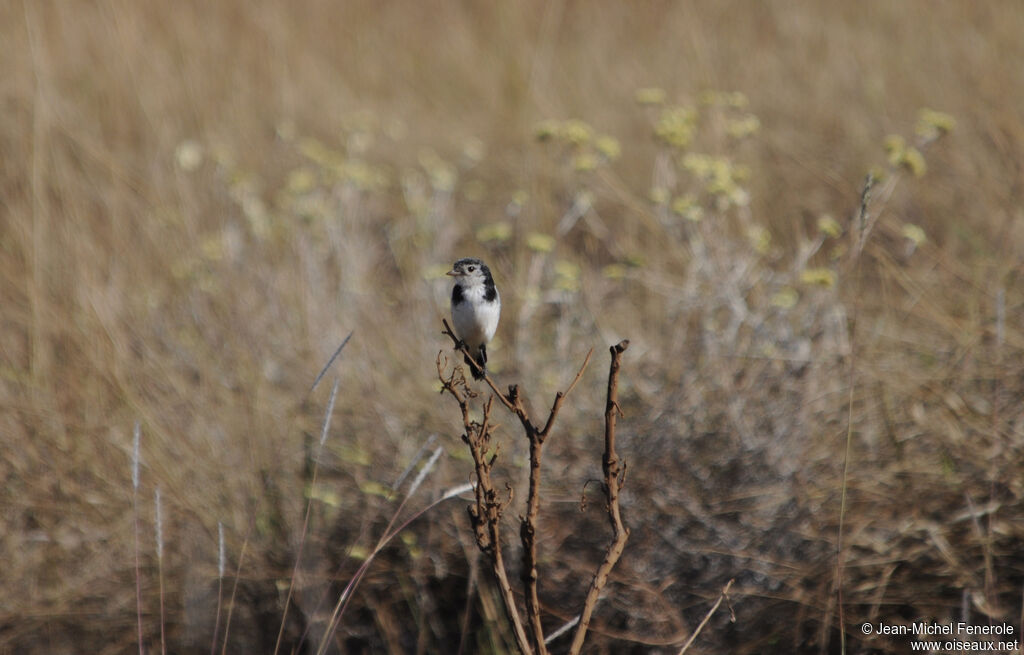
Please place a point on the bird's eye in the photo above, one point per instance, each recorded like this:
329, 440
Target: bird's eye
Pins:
472, 268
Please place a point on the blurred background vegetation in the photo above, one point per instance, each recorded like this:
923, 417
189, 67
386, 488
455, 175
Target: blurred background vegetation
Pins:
201, 200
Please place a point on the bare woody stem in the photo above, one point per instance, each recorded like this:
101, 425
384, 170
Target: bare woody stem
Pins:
528, 523
527, 534
614, 479
489, 506
485, 514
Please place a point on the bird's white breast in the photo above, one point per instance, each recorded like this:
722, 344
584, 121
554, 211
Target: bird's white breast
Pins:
476, 319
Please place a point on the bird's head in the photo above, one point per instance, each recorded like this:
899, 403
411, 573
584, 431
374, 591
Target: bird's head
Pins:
469, 270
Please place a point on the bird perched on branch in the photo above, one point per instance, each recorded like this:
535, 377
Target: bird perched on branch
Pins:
476, 306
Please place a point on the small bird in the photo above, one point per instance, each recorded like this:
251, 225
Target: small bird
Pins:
476, 306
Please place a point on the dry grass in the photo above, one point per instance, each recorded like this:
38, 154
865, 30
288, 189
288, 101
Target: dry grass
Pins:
200, 202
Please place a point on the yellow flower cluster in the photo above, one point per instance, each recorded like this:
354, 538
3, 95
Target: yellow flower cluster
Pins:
932, 124
677, 126
337, 167
588, 149
824, 277
442, 174
900, 154
540, 242
650, 96
785, 298
744, 126
500, 231
732, 99
720, 177
567, 275
829, 226
914, 234
688, 207
760, 238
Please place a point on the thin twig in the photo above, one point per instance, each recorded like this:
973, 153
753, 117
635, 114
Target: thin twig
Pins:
560, 397
707, 617
613, 481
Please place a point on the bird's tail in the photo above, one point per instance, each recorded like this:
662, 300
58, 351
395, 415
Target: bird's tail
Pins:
479, 372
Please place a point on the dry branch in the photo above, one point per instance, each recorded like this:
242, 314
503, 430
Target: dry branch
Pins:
614, 478
485, 514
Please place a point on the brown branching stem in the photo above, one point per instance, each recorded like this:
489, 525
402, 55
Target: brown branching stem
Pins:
486, 513
614, 479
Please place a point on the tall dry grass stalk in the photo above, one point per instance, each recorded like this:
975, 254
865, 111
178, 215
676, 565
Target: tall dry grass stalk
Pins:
309, 504
862, 224
159, 525
390, 532
136, 457
220, 587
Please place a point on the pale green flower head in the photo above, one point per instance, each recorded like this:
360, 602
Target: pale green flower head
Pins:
539, 242
829, 226
822, 277
608, 146
500, 231
576, 131
650, 96
932, 124
914, 233
677, 126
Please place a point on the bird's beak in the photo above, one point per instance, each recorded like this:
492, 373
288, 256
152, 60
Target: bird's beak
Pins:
452, 273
